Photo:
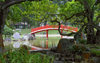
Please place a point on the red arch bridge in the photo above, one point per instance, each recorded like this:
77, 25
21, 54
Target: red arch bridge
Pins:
53, 27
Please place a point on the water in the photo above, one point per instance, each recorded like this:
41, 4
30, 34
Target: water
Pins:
44, 43
41, 42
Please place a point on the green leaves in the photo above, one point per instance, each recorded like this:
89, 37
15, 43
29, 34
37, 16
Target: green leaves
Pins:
36, 11
71, 8
20, 56
15, 13
7, 31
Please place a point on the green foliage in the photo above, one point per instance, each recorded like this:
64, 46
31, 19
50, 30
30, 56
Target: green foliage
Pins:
33, 11
7, 31
1, 0
97, 13
22, 56
78, 48
15, 14
82, 41
95, 51
71, 8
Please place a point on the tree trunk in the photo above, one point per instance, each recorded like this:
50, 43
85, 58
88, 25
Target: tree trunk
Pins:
90, 35
90, 28
1, 43
3, 15
98, 37
89, 13
1, 27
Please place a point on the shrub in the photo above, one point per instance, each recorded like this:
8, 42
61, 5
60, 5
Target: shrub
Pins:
22, 56
83, 41
7, 31
95, 51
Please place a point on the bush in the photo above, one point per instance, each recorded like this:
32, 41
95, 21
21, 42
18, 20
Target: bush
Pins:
22, 56
7, 31
95, 51
83, 41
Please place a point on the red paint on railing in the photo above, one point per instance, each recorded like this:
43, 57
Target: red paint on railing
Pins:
53, 27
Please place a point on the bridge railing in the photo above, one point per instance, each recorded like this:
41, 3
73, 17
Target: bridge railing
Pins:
53, 27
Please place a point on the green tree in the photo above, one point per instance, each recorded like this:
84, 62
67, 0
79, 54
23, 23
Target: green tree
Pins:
36, 11
84, 12
4, 5
33, 11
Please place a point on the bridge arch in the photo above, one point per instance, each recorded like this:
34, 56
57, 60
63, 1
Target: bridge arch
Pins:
53, 27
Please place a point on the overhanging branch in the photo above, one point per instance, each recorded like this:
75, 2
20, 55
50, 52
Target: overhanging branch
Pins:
76, 14
60, 31
15, 2
80, 21
77, 33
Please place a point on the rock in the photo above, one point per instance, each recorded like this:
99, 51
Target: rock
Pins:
64, 44
28, 37
57, 58
96, 59
31, 37
58, 62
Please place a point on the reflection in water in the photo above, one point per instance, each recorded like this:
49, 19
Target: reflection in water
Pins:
38, 42
43, 43
47, 44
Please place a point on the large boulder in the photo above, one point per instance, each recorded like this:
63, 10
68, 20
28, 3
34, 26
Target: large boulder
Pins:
64, 44
31, 36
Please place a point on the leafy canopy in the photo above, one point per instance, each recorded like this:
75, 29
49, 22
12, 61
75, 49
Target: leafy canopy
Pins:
36, 11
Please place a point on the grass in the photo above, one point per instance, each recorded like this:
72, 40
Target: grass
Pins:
24, 31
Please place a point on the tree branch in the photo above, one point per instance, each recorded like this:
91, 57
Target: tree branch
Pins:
60, 31
76, 14
80, 21
77, 33
15, 2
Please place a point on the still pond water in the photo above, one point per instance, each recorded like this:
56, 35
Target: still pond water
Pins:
41, 42
44, 43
